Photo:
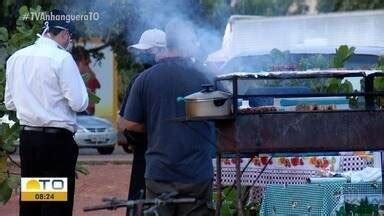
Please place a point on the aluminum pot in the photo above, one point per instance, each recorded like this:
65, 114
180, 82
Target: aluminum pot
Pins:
208, 103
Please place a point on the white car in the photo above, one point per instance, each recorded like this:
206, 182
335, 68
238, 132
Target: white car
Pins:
93, 132
96, 132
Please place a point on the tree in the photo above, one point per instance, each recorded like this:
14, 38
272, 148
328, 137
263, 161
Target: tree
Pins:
264, 7
325, 6
11, 40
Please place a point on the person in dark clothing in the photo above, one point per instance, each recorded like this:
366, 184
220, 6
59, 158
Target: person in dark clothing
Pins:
178, 158
148, 50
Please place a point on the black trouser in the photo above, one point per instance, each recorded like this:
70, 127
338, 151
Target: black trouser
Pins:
48, 154
201, 191
137, 183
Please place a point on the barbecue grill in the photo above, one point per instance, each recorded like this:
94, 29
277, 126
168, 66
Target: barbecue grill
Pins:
271, 129
263, 131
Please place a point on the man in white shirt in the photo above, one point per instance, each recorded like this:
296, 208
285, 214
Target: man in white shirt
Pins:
44, 87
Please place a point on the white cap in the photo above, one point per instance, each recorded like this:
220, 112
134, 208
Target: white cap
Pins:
150, 39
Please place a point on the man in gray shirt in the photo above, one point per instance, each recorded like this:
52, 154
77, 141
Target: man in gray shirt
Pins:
178, 156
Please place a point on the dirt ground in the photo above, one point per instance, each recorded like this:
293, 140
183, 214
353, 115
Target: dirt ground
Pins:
103, 181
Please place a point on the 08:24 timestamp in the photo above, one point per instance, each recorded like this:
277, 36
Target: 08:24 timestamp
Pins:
44, 196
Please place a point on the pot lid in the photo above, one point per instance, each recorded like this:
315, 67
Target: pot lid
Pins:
208, 94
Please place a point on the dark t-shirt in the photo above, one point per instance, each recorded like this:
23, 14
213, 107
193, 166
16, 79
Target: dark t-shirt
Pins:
127, 91
177, 151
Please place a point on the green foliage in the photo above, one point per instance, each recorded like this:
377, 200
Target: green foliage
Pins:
7, 186
229, 203
325, 85
5, 191
91, 96
8, 181
8, 137
280, 57
348, 5
25, 32
277, 61
80, 168
338, 86
343, 53
23, 35
330, 85
126, 66
269, 7
380, 63
378, 82
3, 166
3, 34
341, 211
313, 62
362, 208
228, 206
216, 13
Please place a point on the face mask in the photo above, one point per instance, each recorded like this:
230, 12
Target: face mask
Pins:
146, 59
69, 46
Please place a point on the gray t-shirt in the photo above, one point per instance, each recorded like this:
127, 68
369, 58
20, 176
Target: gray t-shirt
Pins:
177, 151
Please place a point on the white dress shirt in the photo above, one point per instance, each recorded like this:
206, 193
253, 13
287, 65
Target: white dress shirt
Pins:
44, 86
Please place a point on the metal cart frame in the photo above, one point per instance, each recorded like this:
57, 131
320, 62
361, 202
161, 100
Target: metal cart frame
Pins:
345, 133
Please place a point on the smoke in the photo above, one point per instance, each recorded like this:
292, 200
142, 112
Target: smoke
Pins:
157, 13
131, 18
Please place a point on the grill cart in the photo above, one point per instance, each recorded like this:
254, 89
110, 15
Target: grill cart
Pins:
297, 112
